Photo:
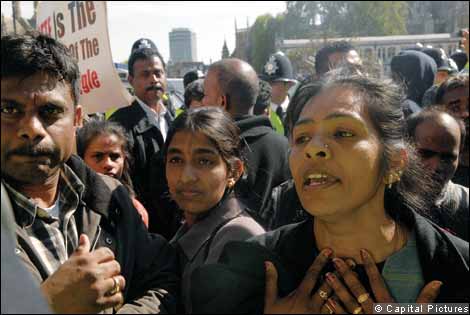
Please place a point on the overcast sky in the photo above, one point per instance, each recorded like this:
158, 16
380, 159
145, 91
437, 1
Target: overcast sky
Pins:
212, 21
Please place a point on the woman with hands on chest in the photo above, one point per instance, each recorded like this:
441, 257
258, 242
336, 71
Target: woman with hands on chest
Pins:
366, 239
360, 181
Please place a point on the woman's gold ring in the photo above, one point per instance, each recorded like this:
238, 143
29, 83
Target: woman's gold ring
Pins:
363, 297
323, 294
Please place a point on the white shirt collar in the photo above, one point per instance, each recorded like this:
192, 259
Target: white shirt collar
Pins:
284, 105
163, 112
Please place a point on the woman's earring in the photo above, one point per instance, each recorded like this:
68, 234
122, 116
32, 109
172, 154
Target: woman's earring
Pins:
390, 181
393, 177
231, 183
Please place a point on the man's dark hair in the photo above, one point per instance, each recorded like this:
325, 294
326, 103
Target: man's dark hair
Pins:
194, 91
263, 100
433, 113
143, 54
450, 84
33, 52
322, 56
382, 100
241, 91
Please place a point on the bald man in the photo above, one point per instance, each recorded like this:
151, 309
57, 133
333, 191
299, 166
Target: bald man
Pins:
233, 85
438, 138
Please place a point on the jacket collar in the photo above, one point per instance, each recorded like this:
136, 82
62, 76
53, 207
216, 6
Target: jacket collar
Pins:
437, 248
98, 193
27, 211
254, 126
148, 118
192, 240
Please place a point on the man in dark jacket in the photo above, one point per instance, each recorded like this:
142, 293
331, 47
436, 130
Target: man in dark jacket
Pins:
233, 85
77, 231
146, 122
417, 71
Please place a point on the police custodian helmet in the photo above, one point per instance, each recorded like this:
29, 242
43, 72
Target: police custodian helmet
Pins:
278, 68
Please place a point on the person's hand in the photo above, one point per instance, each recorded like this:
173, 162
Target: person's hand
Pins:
299, 301
88, 282
357, 300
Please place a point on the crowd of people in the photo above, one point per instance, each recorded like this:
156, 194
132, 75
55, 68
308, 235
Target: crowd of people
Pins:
350, 191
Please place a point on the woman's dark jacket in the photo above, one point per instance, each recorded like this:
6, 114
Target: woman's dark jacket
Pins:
237, 283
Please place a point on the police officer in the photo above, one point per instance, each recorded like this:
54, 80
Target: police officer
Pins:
143, 43
192, 76
195, 90
279, 73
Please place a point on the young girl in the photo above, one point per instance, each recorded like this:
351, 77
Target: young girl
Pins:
203, 162
103, 147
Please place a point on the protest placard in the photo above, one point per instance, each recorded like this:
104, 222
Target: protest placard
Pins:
83, 27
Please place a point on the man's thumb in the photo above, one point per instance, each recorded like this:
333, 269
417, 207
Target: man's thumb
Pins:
83, 244
271, 284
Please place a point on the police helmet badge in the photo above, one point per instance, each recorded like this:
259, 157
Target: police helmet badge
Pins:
271, 66
144, 44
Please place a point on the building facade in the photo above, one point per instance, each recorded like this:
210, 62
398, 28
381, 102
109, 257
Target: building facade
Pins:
179, 69
183, 47
378, 49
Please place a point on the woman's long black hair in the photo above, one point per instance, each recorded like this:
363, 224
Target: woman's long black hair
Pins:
383, 102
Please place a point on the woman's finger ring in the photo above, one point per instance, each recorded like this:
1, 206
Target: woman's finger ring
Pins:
323, 294
362, 298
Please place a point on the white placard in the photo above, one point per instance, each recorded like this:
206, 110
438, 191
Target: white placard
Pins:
83, 27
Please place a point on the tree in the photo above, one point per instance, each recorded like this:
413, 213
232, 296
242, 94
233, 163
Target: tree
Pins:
262, 40
323, 19
225, 52
375, 18
437, 16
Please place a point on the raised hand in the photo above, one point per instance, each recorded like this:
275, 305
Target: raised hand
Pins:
88, 282
299, 301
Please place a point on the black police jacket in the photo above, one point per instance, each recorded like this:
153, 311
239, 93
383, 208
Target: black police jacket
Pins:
145, 142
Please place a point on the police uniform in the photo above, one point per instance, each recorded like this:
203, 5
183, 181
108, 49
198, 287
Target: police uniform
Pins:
278, 68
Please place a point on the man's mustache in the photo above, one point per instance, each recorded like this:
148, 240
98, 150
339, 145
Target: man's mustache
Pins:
154, 88
34, 151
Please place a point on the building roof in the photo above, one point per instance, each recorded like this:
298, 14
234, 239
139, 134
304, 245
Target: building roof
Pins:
396, 39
